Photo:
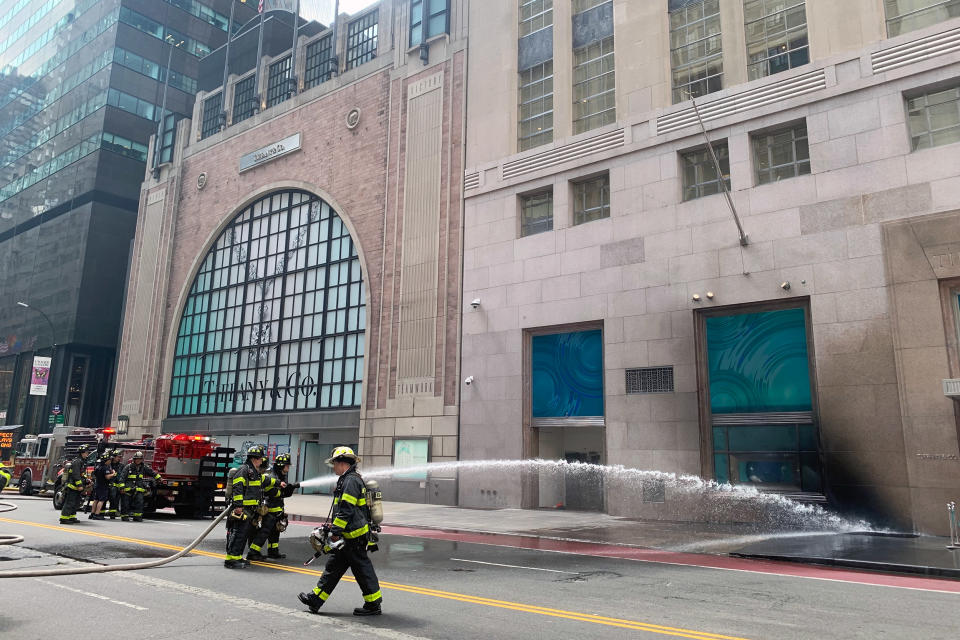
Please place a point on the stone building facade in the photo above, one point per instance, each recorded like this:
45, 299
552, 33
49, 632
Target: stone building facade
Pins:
625, 317
256, 218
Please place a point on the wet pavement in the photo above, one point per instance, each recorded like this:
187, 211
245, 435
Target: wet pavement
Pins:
902, 553
888, 552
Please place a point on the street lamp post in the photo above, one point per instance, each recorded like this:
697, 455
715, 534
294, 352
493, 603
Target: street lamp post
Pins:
163, 106
53, 333
53, 352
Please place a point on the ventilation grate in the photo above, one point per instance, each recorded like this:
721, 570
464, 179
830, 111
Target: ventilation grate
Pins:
566, 153
650, 380
916, 50
471, 180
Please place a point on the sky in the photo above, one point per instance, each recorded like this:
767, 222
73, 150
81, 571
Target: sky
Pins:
322, 10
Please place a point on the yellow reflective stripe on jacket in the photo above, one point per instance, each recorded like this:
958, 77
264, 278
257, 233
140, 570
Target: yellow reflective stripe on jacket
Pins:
362, 502
355, 533
339, 522
336, 501
239, 479
249, 503
255, 483
275, 510
349, 499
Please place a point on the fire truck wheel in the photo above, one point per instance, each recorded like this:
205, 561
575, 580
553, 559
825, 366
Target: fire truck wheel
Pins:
26, 483
58, 499
185, 510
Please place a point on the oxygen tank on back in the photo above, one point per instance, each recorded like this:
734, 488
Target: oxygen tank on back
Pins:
374, 501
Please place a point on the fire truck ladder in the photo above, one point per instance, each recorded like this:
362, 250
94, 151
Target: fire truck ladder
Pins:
213, 479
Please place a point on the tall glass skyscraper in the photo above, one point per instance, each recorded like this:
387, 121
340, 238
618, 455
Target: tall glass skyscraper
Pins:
82, 85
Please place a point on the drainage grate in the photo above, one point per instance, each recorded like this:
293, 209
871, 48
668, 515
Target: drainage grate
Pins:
650, 380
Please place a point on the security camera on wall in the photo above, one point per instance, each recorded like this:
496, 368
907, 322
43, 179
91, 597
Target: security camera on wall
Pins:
475, 303
468, 380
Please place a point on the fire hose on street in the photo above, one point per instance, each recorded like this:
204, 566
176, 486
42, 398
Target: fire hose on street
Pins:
36, 573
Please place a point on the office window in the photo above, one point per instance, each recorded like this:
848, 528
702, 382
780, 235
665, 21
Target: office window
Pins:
535, 15
934, 118
696, 50
362, 40
776, 33
781, 154
536, 212
536, 106
700, 176
212, 108
244, 102
910, 15
591, 199
278, 87
428, 18
318, 64
594, 95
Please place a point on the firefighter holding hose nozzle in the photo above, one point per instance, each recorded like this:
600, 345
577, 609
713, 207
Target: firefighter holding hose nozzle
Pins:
347, 538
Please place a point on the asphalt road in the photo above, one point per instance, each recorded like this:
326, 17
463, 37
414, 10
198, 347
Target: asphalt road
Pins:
432, 589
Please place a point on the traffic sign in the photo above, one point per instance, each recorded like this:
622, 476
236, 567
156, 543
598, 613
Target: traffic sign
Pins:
56, 409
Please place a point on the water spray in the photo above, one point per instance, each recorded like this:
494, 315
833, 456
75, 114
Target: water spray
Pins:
709, 500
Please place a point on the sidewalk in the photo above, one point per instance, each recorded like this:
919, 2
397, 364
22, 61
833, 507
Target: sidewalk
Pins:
925, 555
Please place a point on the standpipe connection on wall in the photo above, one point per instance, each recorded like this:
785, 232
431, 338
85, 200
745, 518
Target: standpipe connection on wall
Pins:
36, 573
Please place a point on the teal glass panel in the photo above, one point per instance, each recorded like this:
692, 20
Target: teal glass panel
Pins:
763, 438
758, 362
568, 374
807, 436
720, 439
721, 467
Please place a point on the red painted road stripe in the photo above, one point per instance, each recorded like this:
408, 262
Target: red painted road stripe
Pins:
789, 569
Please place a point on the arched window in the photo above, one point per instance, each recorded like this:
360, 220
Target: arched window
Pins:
275, 318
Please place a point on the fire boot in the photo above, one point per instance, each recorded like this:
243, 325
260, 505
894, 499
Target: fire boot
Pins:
253, 554
312, 600
234, 564
275, 554
368, 609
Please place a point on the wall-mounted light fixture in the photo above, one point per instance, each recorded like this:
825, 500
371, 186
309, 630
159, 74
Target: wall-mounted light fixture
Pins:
696, 297
710, 295
785, 285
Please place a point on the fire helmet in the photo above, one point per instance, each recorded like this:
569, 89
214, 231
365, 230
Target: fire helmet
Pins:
343, 453
255, 451
138, 455
281, 460
116, 452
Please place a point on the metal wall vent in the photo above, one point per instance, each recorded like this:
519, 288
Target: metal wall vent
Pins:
566, 153
650, 380
745, 101
916, 50
471, 180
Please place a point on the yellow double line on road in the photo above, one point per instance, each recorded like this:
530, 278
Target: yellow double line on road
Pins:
424, 591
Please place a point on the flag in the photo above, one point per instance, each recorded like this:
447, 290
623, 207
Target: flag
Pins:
260, 7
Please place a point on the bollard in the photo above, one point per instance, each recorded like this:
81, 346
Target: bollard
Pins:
954, 533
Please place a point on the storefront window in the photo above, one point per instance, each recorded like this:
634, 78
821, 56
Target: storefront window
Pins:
568, 375
763, 427
276, 316
7, 367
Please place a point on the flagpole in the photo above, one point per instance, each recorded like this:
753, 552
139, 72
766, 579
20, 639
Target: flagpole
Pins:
293, 52
226, 69
335, 58
256, 75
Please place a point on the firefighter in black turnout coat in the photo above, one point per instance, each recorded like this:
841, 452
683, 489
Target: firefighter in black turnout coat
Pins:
72, 481
351, 522
275, 489
247, 492
134, 490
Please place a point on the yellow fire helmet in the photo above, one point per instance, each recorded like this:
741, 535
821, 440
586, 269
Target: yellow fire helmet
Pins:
343, 452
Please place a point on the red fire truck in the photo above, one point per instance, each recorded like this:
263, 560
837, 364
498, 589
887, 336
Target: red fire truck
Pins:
39, 458
194, 469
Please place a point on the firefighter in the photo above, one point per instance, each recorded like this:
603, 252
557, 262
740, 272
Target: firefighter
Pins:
72, 480
275, 489
135, 488
247, 493
350, 522
103, 478
4, 476
116, 484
